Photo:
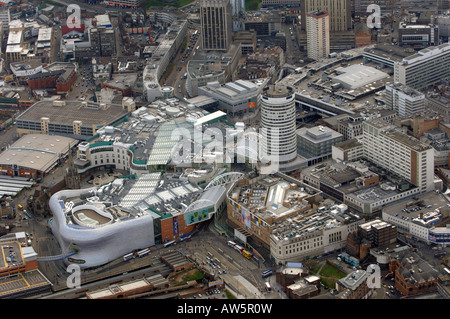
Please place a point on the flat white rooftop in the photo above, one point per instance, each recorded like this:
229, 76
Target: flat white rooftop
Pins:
356, 76
15, 37
45, 34
36, 151
210, 117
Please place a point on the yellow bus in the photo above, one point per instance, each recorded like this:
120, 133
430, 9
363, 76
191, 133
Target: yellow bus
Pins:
20, 207
246, 254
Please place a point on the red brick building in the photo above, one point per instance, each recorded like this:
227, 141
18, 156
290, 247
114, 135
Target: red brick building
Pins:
357, 246
65, 29
173, 227
125, 89
43, 80
363, 39
301, 290
379, 232
413, 275
60, 76
21, 172
288, 276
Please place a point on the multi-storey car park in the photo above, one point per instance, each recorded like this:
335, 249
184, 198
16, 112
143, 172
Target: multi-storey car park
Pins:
339, 84
424, 219
19, 273
385, 55
69, 118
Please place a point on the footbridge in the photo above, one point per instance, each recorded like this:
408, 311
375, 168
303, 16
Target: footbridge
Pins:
73, 250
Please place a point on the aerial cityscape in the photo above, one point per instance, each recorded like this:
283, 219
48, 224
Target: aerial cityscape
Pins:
225, 150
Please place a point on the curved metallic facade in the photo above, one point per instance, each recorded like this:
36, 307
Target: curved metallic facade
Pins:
100, 244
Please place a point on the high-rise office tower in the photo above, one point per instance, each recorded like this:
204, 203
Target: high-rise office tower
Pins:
388, 147
278, 122
425, 68
238, 10
338, 10
237, 6
318, 34
216, 24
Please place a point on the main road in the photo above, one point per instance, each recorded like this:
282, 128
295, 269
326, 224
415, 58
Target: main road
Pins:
176, 77
292, 50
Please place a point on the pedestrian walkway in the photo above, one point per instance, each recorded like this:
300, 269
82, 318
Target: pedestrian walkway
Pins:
242, 288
